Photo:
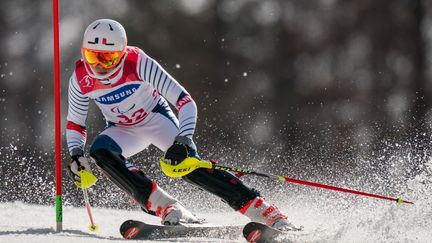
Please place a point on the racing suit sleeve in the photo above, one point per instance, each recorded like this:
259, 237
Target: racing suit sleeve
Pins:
168, 87
77, 114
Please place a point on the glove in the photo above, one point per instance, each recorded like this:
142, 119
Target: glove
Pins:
78, 162
182, 148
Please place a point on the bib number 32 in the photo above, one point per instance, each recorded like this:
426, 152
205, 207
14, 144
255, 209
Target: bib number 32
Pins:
137, 117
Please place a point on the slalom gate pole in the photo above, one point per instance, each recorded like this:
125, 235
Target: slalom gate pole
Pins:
57, 118
308, 183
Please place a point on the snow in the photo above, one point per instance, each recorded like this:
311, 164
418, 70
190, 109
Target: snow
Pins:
327, 217
21, 222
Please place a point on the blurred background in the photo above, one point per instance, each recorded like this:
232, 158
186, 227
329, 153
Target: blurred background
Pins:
335, 91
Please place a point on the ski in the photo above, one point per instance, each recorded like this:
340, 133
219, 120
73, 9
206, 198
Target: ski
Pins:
132, 229
260, 233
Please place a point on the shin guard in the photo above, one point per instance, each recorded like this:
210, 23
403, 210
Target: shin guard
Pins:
224, 185
136, 184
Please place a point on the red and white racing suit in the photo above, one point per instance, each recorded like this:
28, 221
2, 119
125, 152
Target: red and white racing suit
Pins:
134, 103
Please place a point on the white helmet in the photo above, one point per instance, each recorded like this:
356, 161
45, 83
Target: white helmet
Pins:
104, 35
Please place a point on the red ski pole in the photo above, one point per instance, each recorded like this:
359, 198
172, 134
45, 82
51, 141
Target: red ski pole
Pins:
88, 180
92, 226
190, 164
398, 200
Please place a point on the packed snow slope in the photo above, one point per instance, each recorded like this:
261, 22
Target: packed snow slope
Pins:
327, 217
33, 223
27, 212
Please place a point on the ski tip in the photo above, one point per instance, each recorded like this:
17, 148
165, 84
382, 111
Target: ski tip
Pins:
254, 235
130, 233
253, 231
128, 230
260, 233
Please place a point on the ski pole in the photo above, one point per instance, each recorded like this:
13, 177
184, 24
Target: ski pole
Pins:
308, 183
190, 164
93, 226
88, 180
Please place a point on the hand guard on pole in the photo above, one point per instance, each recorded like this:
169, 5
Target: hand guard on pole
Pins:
80, 171
181, 158
182, 148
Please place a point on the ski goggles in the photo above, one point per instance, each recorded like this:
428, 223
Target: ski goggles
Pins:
107, 59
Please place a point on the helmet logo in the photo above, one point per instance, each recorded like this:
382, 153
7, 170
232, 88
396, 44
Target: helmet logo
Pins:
104, 42
96, 26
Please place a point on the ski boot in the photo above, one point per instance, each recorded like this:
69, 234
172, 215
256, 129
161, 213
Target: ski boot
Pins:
259, 210
168, 209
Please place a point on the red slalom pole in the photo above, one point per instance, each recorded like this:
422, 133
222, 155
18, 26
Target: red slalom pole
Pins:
308, 183
57, 118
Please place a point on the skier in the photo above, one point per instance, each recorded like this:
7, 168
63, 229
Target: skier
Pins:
132, 90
